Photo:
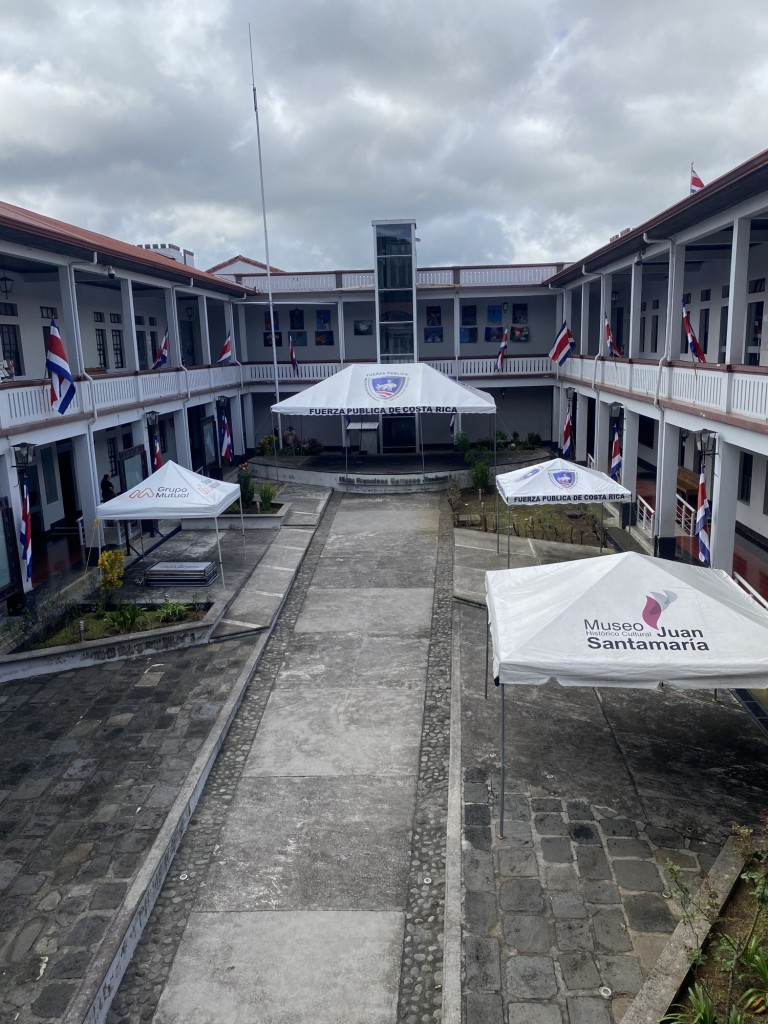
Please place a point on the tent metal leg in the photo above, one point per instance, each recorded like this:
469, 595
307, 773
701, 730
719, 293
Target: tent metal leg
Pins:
509, 529
218, 546
497, 522
502, 779
487, 645
345, 439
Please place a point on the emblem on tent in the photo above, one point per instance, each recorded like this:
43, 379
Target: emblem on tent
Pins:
147, 492
655, 604
389, 386
531, 472
564, 478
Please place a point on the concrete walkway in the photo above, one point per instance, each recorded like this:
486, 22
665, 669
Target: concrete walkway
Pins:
309, 885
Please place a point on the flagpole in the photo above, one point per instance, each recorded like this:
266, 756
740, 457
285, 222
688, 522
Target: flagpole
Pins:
266, 239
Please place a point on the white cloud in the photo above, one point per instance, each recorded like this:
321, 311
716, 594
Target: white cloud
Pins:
511, 130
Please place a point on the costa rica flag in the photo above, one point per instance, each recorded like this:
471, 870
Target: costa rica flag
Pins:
294, 361
610, 341
56, 362
616, 456
696, 183
157, 456
227, 448
702, 516
225, 356
567, 440
564, 345
25, 532
162, 353
693, 342
502, 352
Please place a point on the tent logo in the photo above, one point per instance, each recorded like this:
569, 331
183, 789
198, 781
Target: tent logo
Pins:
655, 604
386, 387
146, 492
564, 478
531, 472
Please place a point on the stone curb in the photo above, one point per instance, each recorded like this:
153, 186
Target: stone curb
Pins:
654, 999
453, 905
91, 1003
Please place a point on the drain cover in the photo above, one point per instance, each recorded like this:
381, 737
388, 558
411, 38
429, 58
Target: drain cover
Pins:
605, 992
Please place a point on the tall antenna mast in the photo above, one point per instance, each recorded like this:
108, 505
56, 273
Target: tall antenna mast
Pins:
266, 240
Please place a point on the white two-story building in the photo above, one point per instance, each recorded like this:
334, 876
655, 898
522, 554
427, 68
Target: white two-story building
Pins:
113, 303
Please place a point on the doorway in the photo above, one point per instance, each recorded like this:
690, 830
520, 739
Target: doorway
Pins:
399, 434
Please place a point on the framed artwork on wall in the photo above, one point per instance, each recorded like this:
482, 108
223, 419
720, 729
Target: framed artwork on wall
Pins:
519, 334
268, 323
519, 312
323, 320
494, 334
364, 327
299, 338
296, 317
493, 316
468, 316
278, 339
323, 337
433, 335
434, 316
468, 335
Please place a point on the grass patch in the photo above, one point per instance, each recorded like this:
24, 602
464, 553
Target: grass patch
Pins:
89, 623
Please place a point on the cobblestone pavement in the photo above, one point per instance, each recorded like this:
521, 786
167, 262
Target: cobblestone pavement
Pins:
394, 867
566, 916
91, 764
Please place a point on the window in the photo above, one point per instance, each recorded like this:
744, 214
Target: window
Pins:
745, 477
704, 329
686, 298
153, 321
765, 496
642, 307
48, 312
655, 304
725, 291
706, 294
117, 350
9, 337
112, 455
101, 347
642, 333
655, 332
115, 318
139, 321
98, 318
162, 437
757, 285
8, 309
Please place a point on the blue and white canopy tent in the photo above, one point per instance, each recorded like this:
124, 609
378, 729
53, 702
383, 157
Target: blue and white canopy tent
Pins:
387, 389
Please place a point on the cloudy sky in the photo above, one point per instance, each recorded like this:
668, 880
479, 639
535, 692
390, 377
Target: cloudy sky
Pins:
510, 130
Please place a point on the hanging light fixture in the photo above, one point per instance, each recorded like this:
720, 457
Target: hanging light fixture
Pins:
6, 283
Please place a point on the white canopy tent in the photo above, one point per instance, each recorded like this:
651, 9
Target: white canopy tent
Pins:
173, 492
556, 482
626, 620
387, 389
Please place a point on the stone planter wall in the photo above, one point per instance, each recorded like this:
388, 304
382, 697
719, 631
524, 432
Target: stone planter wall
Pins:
251, 521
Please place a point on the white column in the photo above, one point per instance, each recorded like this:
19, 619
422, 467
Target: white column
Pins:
674, 322
737, 291
725, 482
342, 342
567, 309
629, 450
242, 350
172, 322
606, 287
584, 329
582, 406
87, 485
181, 432
601, 454
666, 481
558, 414
69, 324
249, 420
236, 426
131, 348
636, 296
205, 334
456, 332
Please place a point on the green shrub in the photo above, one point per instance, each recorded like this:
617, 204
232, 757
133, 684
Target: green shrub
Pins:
124, 617
462, 442
267, 445
172, 611
267, 494
247, 485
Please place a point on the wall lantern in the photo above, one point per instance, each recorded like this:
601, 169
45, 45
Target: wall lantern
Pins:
707, 442
222, 401
152, 418
23, 454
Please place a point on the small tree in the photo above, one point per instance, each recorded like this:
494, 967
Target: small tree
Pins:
247, 485
112, 567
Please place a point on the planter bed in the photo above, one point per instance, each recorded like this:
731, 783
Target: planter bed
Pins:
251, 520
